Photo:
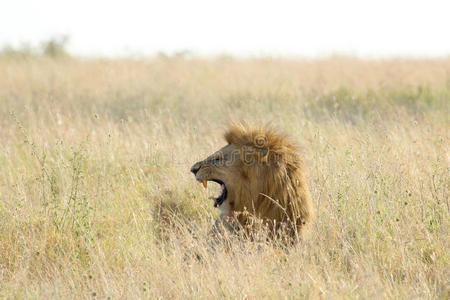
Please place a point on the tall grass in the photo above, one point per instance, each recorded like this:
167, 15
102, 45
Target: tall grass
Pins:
96, 199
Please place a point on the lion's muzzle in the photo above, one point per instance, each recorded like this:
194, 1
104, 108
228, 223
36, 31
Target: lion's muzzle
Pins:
195, 168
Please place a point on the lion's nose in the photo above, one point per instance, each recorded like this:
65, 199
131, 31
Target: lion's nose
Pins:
195, 168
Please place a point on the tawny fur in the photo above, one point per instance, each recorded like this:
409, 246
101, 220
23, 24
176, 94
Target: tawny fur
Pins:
274, 188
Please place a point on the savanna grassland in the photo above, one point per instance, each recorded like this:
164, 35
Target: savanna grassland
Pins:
96, 198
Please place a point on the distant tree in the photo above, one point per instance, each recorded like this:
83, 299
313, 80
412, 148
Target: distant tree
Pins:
55, 47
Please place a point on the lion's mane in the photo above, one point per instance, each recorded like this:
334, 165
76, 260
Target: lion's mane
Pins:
275, 188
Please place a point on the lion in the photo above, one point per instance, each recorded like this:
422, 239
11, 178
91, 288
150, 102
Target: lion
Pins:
262, 176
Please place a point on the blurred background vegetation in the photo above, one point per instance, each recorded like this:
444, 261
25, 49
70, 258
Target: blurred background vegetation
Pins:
55, 47
96, 198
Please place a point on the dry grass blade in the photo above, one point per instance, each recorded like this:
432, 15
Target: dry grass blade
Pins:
121, 216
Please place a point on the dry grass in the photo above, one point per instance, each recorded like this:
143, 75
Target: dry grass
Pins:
96, 199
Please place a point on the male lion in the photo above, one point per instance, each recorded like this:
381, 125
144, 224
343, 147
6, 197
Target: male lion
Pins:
261, 175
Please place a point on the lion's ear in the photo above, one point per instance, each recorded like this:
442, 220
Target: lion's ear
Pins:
251, 154
262, 154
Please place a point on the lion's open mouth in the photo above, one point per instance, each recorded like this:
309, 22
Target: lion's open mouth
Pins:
223, 195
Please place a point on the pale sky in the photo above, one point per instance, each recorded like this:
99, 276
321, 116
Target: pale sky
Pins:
379, 28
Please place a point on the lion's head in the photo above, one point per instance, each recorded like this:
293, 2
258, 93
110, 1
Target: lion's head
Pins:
260, 173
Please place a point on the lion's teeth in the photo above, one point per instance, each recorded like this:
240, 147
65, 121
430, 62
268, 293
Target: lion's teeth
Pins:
205, 183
